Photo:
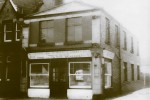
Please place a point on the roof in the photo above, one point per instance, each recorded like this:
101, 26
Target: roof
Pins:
65, 8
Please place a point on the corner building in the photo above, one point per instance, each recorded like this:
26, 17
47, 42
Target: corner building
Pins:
76, 51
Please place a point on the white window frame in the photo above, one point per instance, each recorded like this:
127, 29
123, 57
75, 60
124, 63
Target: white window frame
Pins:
38, 75
90, 74
5, 31
17, 33
109, 74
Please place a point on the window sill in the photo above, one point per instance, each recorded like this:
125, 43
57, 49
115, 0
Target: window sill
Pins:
46, 44
73, 42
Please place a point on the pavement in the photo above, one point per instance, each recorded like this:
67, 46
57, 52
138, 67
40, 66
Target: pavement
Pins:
142, 94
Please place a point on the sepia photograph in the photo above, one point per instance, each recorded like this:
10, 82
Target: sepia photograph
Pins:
74, 49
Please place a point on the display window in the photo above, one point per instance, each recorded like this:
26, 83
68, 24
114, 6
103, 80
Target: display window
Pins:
80, 75
39, 75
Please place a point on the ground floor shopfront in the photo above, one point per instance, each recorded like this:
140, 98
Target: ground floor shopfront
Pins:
76, 74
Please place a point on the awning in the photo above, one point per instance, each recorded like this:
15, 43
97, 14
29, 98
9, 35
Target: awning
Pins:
60, 54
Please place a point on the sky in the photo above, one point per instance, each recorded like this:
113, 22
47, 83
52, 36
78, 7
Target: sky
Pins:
133, 15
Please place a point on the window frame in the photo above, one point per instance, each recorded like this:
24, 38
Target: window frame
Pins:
6, 32
108, 74
16, 31
74, 25
47, 28
30, 74
90, 74
125, 40
107, 37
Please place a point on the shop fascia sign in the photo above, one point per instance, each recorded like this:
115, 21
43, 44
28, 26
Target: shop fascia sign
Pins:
60, 54
108, 54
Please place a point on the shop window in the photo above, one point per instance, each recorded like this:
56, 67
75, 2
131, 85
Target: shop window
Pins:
80, 75
74, 31
47, 31
18, 32
107, 40
8, 32
108, 75
39, 75
125, 40
132, 72
125, 71
138, 72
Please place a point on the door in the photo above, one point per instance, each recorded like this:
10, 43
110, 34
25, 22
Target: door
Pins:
59, 78
9, 76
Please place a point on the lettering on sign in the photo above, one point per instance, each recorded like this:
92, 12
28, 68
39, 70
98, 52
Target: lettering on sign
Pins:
108, 54
60, 54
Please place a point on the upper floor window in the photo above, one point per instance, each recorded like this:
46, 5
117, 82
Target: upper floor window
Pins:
125, 40
18, 32
107, 40
132, 48
8, 32
47, 31
117, 35
74, 30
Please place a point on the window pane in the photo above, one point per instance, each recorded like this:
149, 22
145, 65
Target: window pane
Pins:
80, 81
50, 35
9, 27
39, 69
8, 35
77, 21
80, 68
18, 33
107, 81
50, 24
70, 21
44, 24
78, 33
39, 81
71, 34
43, 35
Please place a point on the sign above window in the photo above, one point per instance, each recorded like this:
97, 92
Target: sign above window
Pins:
60, 54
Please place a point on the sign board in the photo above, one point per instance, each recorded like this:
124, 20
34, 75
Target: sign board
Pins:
60, 54
108, 54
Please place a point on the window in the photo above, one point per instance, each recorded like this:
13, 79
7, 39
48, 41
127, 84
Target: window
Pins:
8, 32
80, 75
138, 72
117, 35
74, 32
125, 71
108, 75
125, 40
9, 60
39, 75
18, 32
107, 40
132, 48
132, 71
47, 31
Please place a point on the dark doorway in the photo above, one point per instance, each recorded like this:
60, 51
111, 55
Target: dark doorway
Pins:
59, 78
9, 76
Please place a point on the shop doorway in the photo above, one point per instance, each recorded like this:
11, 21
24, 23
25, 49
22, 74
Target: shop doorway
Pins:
59, 78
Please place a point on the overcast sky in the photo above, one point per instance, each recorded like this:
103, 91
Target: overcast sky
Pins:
133, 15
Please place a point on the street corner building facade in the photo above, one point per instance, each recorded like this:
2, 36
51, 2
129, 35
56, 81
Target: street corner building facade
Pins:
71, 50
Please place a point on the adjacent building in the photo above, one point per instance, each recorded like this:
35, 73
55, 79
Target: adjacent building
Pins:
73, 51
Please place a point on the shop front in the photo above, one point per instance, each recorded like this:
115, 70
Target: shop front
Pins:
60, 74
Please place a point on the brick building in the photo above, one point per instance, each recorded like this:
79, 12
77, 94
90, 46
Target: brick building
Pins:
76, 49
